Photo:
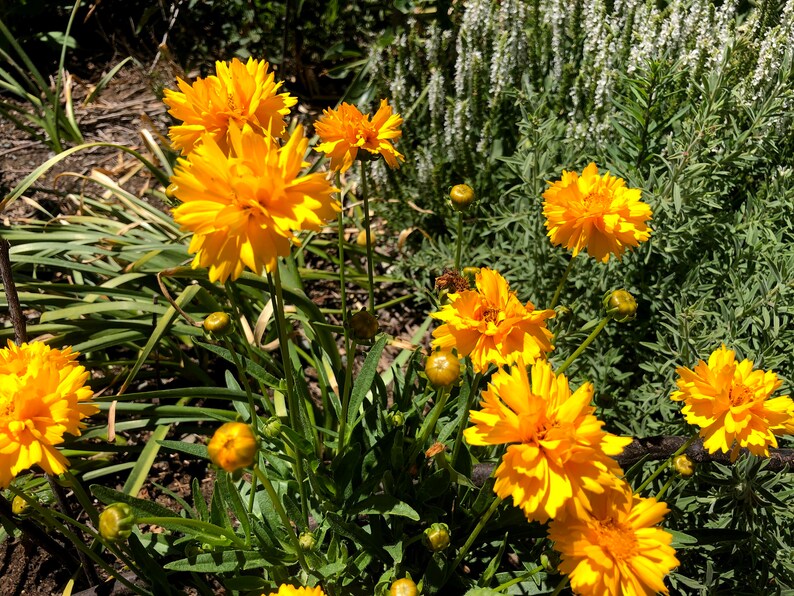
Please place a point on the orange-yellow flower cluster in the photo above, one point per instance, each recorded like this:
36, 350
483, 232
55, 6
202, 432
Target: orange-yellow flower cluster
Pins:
491, 326
731, 404
237, 96
615, 548
595, 213
288, 590
243, 195
557, 449
42, 397
345, 130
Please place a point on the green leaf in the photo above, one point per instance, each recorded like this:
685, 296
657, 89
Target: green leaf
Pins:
194, 449
223, 562
386, 505
141, 507
363, 383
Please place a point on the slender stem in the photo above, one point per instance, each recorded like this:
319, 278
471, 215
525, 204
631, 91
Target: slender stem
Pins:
665, 486
251, 495
560, 586
599, 328
476, 532
283, 515
350, 353
368, 231
88, 567
244, 378
14, 308
560, 285
292, 400
459, 437
459, 242
341, 248
431, 424
660, 468
519, 579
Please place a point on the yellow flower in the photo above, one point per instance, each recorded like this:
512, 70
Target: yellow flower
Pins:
287, 590
243, 208
345, 130
615, 548
491, 326
595, 213
730, 403
243, 95
558, 449
233, 446
42, 397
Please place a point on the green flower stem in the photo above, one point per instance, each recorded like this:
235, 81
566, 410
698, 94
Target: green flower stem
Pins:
282, 515
664, 488
560, 586
476, 532
661, 467
341, 249
459, 437
82, 497
244, 378
560, 285
292, 401
196, 524
350, 353
368, 231
599, 328
459, 243
251, 495
517, 580
428, 429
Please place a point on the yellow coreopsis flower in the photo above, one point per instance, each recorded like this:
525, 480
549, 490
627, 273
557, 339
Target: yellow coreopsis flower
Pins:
42, 397
288, 590
242, 95
345, 130
491, 325
614, 548
595, 213
557, 450
233, 446
243, 208
730, 403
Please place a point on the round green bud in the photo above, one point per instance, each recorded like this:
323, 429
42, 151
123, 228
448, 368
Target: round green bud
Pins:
461, 196
403, 587
436, 537
620, 305
116, 522
218, 323
19, 505
272, 427
307, 541
363, 325
442, 369
684, 465
397, 419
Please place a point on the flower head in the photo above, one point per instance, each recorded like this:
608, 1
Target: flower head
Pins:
239, 95
288, 590
345, 130
491, 326
730, 403
244, 207
233, 446
614, 547
595, 213
42, 397
557, 448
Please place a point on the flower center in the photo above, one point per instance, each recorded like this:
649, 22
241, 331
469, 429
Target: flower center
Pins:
616, 538
7, 405
740, 394
597, 199
490, 315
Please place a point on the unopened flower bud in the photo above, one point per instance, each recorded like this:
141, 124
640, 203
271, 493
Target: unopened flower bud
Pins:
307, 541
19, 505
403, 587
233, 446
363, 325
116, 522
272, 427
442, 369
436, 537
620, 305
397, 419
470, 273
461, 196
218, 323
550, 559
684, 465
170, 190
